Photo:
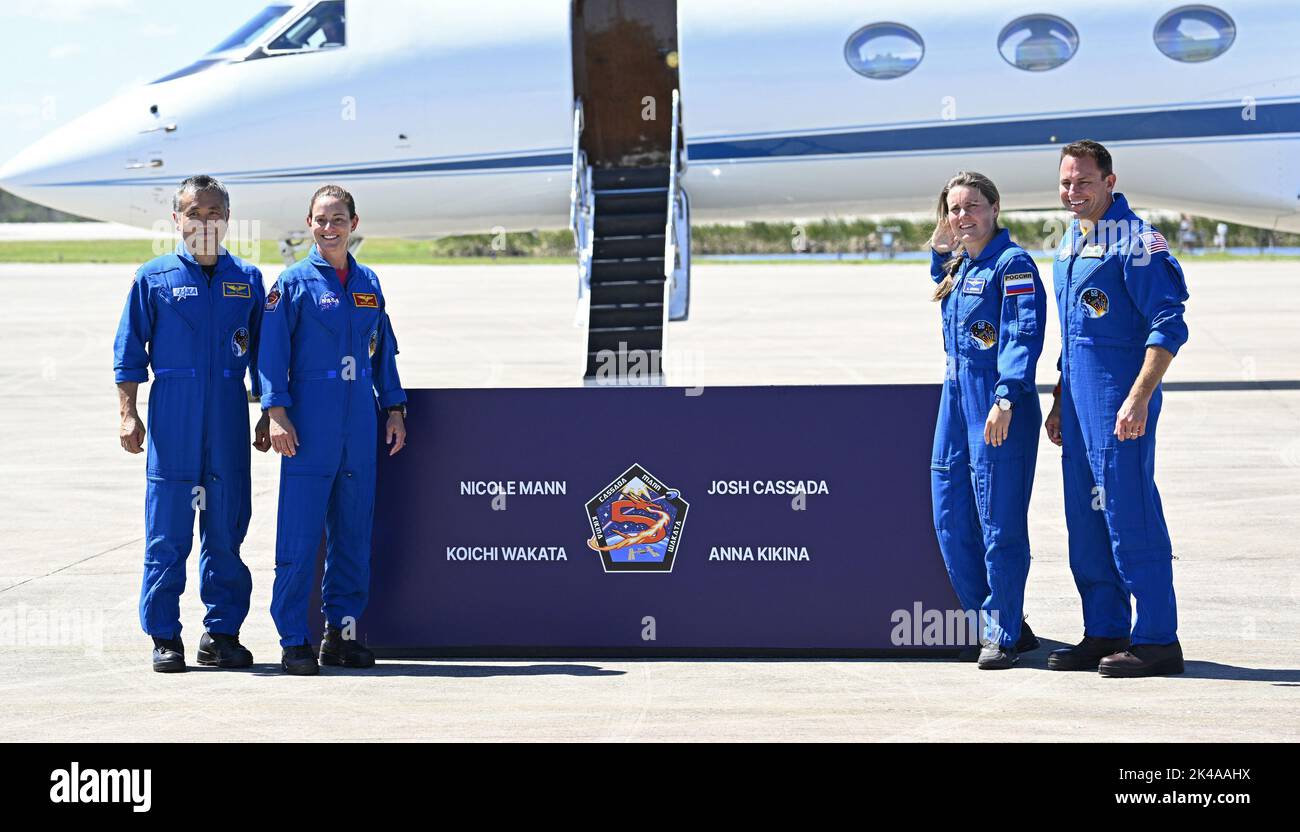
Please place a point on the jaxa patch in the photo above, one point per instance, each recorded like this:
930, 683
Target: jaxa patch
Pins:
236, 290
1018, 284
984, 334
1093, 252
183, 292
636, 523
272, 300
239, 342
1095, 303
328, 301
365, 300
973, 286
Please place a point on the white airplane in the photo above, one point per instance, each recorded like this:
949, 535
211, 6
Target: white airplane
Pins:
531, 114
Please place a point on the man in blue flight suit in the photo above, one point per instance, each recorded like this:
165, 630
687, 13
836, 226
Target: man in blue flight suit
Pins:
1121, 298
328, 353
193, 316
986, 437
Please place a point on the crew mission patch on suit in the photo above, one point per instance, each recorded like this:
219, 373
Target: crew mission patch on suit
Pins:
272, 300
236, 290
365, 300
239, 342
374, 342
1095, 303
984, 334
1018, 284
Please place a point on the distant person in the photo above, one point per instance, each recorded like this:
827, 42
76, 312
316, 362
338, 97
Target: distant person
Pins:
193, 316
1221, 237
1121, 326
992, 306
328, 367
1186, 234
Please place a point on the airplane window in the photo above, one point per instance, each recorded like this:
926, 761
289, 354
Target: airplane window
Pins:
884, 50
321, 27
1038, 42
1195, 33
250, 31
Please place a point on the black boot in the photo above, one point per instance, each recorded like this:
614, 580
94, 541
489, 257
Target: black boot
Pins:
1144, 660
1087, 654
222, 650
1027, 641
299, 660
337, 651
168, 655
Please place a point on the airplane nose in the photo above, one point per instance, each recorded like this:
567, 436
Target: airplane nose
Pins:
70, 168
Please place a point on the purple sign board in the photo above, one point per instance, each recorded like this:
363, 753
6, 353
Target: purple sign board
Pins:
742, 521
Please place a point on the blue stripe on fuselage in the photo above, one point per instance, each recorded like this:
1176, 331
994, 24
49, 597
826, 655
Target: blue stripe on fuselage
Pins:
1226, 123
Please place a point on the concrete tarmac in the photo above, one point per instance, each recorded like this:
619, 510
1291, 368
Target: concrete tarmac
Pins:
74, 665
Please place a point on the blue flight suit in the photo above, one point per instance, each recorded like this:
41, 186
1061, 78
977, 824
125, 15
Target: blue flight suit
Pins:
993, 336
1119, 291
200, 337
327, 352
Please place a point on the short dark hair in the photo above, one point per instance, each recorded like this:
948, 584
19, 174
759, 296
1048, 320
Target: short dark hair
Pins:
1092, 150
200, 184
336, 192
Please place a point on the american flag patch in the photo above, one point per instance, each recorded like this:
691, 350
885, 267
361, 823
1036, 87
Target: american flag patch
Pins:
1154, 241
1018, 284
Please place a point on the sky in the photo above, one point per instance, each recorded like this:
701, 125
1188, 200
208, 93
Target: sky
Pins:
62, 58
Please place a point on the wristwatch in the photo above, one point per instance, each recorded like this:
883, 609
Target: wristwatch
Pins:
1003, 403
398, 408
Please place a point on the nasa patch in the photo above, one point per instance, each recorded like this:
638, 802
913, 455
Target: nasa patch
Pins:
183, 292
239, 342
1095, 303
272, 300
328, 301
984, 334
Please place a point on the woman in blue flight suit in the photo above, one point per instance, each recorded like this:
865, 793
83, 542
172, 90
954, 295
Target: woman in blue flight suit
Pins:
986, 440
327, 356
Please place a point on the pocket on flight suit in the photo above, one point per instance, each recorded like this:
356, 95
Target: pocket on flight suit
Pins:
1127, 495
175, 425
1001, 488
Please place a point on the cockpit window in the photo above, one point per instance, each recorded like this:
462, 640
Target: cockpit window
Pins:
323, 26
1038, 42
254, 28
1192, 34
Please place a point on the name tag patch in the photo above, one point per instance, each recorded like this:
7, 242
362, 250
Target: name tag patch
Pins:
236, 290
973, 286
365, 300
1018, 284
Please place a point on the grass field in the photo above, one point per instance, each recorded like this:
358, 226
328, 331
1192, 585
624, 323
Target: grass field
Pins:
382, 251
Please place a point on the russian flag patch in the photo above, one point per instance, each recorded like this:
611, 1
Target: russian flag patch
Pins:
1018, 284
